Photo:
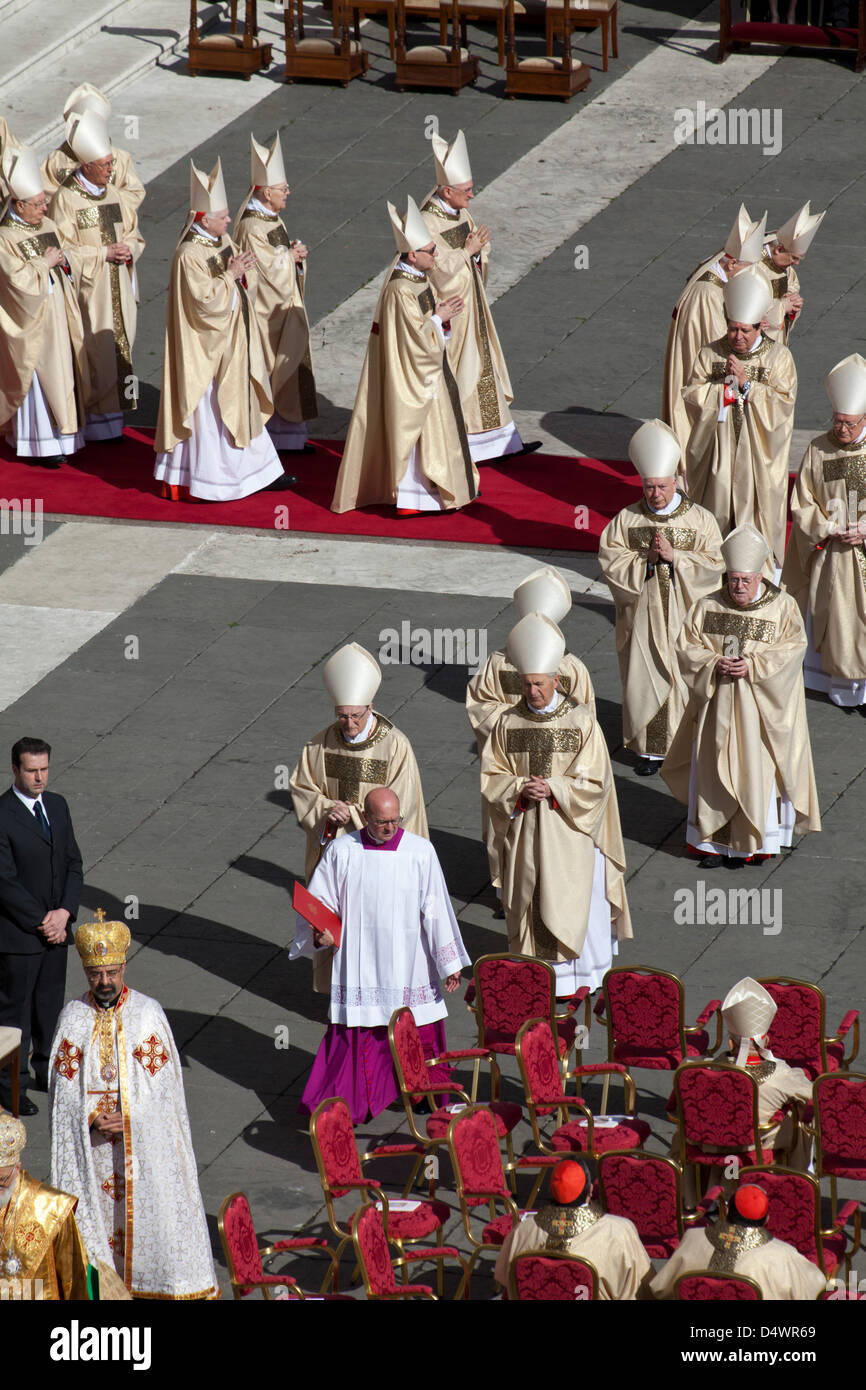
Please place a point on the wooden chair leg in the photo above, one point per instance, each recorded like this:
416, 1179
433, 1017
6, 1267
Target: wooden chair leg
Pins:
391, 34
234, 16
357, 19
613, 30
443, 28
604, 43
500, 39
548, 34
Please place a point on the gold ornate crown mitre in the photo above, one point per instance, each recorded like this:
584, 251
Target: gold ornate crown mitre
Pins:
101, 942
13, 1138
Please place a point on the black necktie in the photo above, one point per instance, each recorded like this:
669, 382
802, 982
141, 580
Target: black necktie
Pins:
42, 819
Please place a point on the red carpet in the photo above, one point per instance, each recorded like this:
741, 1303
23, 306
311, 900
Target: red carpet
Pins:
541, 501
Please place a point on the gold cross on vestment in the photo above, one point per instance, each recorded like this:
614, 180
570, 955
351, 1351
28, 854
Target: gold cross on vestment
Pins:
105, 216
851, 470
728, 1238
541, 744
349, 773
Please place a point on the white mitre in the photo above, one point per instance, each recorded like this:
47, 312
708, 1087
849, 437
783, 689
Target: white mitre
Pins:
747, 296
543, 591
451, 161
535, 646
266, 165
351, 676
746, 238
748, 1010
846, 386
654, 450
86, 97
87, 137
207, 192
410, 232
22, 173
745, 550
799, 231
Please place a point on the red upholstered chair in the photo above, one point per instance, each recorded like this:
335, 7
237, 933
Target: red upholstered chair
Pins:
377, 1266
798, 1032
339, 1165
717, 1114
648, 1191
839, 1106
552, 1276
543, 1087
412, 1072
644, 1010
795, 1217
244, 1257
694, 1287
507, 990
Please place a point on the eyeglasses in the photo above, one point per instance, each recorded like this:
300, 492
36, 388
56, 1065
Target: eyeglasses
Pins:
392, 820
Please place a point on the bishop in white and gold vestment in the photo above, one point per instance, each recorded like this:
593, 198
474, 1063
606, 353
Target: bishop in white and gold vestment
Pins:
740, 401
825, 564
62, 162
547, 781
281, 283
407, 441
783, 250
41, 1254
95, 219
120, 1139
741, 759
658, 556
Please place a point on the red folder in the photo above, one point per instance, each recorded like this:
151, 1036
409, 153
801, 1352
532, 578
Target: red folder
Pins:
313, 910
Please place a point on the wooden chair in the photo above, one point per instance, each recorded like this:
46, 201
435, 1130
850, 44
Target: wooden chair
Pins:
485, 11
585, 14
336, 59
434, 65
10, 1056
544, 76
232, 52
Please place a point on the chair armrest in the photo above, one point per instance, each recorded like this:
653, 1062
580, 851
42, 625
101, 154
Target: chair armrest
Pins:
851, 1020
715, 1194
392, 1151
315, 1243
362, 1186
847, 1022
850, 1209
462, 1054
703, 1018
469, 997
599, 1007
572, 1004
407, 1291
612, 1069
706, 1014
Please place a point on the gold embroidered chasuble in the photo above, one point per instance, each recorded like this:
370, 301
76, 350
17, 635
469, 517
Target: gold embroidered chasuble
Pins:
106, 292
282, 317
548, 855
46, 1243
140, 1209
62, 162
825, 575
407, 395
610, 1243
782, 282
40, 325
779, 1270
474, 350
750, 735
211, 335
497, 687
650, 610
738, 467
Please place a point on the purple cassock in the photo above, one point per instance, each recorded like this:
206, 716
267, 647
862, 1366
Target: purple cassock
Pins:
355, 1063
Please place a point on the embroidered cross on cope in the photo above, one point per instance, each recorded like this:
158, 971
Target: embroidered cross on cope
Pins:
541, 744
108, 218
851, 471
349, 773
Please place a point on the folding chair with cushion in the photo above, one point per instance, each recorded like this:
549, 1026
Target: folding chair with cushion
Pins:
795, 1217
694, 1287
552, 1276
412, 1072
839, 1108
507, 990
323, 57
797, 1034
648, 1191
538, 1059
340, 1171
544, 75
441, 65
377, 1267
717, 1115
244, 1257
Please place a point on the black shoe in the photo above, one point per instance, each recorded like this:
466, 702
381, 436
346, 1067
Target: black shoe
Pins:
26, 1106
732, 863
55, 461
307, 448
709, 861
531, 448
645, 767
281, 484
499, 914
861, 709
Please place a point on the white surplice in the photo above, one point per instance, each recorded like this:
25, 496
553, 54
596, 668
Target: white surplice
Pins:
139, 1205
400, 936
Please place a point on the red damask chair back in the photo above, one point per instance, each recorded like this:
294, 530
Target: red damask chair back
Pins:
508, 991
473, 1143
645, 1014
839, 1103
552, 1277
796, 1034
240, 1244
693, 1288
795, 1208
538, 1058
646, 1190
371, 1248
717, 1107
408, 1052
334, 1145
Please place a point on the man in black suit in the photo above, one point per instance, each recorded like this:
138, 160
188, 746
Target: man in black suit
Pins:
40, 885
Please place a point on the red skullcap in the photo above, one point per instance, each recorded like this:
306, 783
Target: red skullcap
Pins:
567, 1181
752, 1202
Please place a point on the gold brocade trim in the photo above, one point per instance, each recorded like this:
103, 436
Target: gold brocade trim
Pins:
455, 237
488, 401
537, 717
195, 236
738, 625
262, 216
437, 210
722, 348
562, 1224
34, 246
382, 727
418, 279
709, 278
771, 592
279, 237
544, 944
36, 1221
511, 682
87, 217
761, 1071
427, 301
640, 538
105, 219
685, 505
656, 735
212, 1292
349, 772
851, 470
541, 744
218, 264
729, 1242
720, 372
844, 448
861, 560
128, 1166
778, 278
